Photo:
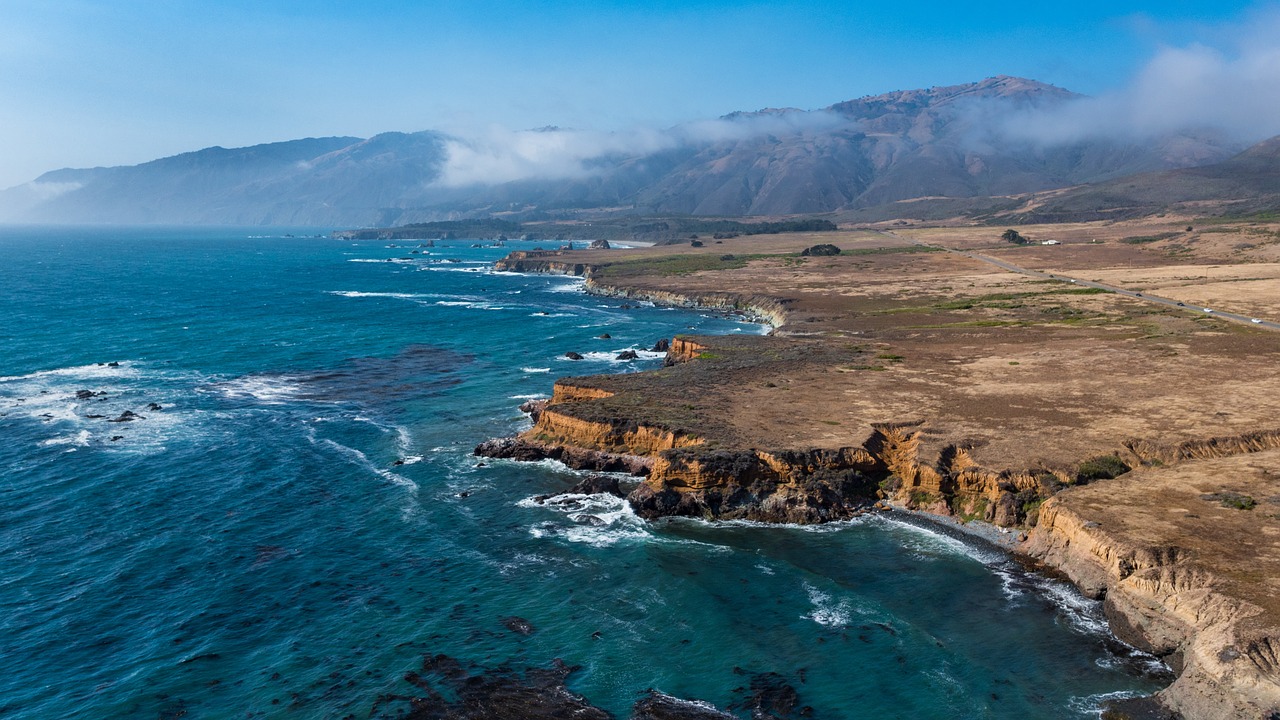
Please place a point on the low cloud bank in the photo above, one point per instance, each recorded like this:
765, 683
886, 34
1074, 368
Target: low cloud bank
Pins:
499, 155
1229, 94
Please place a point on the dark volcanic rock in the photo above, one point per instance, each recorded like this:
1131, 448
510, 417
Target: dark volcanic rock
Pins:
127, 416
662, 345
600, 244
771, 696
154, 407
500, 694
598, 485
85, 394
446, 689
574, 457
573, 355
533, 408
657, 706
627, 355
518, 625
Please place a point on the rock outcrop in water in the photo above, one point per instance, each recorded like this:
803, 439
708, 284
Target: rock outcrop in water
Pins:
449, 690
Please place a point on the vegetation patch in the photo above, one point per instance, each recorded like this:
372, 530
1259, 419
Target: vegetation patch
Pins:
673, 265
1143, 239
1231, 500
1103, 467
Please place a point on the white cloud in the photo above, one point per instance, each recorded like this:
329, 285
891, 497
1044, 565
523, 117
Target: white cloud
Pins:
499, 155
1234, 90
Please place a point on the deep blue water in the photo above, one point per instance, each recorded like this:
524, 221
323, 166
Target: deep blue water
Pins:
253, 549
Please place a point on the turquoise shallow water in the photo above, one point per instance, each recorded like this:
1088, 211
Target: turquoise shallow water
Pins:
253, 549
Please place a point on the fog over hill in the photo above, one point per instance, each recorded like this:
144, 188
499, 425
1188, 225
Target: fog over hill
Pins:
961, 141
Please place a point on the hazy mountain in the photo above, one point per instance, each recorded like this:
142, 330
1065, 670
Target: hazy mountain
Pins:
958, 142
1244, 184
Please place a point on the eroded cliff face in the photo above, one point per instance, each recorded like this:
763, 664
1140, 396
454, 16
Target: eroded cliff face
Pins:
540, 261
759, 308
1160, 599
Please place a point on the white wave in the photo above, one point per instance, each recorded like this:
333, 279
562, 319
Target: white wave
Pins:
535, 370
270, 389
1093, 704
551, 315
531, 396
598, 520
363, 460
124, 368
474, 304
399, 296
826, 611
397, 261
80, 439
818, 528
765, 569
1080, 612
705, 709
572, 286
928, 543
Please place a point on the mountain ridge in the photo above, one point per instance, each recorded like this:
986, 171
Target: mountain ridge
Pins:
947, 141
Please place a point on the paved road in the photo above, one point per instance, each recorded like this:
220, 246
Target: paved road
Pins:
1155, 299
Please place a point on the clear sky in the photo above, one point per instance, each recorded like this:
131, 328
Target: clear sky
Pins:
105, 82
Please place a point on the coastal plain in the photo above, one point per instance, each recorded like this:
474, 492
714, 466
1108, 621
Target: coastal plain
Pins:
1130, 443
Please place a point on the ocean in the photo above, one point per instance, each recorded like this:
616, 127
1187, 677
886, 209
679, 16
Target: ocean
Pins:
291, 522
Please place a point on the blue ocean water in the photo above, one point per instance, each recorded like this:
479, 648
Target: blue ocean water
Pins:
301, 521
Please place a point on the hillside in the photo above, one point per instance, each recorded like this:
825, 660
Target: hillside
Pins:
872, 152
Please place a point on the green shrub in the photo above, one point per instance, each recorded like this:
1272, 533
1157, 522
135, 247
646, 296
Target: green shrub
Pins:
1103, 467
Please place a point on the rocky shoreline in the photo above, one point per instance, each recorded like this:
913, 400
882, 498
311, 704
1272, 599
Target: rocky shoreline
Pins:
1156, 597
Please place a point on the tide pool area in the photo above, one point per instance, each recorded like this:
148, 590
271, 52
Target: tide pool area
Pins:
236, 480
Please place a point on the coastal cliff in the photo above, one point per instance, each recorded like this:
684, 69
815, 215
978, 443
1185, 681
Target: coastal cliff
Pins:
1016, 404
759, 308
1166, 590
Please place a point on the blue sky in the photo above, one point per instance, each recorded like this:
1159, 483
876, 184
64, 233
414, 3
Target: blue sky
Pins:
86, 82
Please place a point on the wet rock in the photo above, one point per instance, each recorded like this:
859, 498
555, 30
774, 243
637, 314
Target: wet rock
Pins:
518, 625
95, 417
515, 449
501, 694
600, 244
533, 408
113, 364
598, 485
116, 437
575, 458
154, 407
85, 394
662, 345
604, 336
573, 355
127, 416
627, 355
657, 706
770, 696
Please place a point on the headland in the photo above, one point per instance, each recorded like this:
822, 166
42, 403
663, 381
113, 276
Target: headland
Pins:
1132, 442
